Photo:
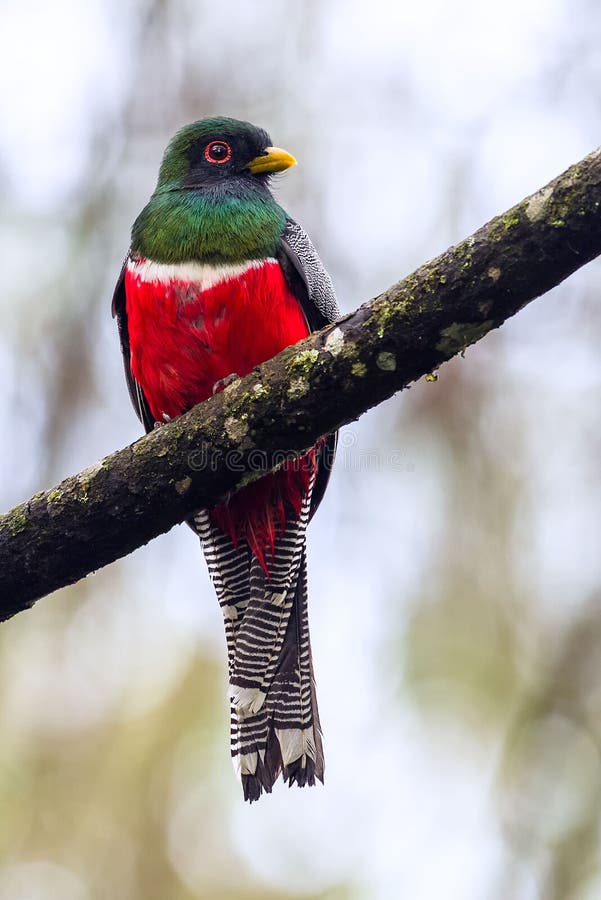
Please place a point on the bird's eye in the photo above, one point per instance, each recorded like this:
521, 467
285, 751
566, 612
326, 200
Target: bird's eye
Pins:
218, 152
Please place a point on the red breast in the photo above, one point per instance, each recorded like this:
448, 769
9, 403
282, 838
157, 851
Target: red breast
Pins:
185, 337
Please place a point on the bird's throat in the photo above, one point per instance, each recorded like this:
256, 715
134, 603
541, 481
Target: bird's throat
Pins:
209, 225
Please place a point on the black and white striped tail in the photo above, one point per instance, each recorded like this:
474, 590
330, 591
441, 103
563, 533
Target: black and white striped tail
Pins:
274, 719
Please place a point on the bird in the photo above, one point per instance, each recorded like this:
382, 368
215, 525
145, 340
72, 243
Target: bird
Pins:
218, 278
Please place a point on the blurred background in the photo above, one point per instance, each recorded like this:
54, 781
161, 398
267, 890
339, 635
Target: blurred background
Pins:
461, 535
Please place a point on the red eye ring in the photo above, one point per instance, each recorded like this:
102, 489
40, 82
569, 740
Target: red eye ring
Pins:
218, 152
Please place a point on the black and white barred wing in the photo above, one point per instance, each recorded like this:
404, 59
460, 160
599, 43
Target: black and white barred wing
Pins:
307, 276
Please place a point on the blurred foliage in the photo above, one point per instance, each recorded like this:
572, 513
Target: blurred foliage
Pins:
455, 566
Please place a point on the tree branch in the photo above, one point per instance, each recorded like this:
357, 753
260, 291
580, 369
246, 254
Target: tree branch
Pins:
308, 390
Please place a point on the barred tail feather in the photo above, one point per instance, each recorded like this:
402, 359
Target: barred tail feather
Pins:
262, 632
274, 719
285, 735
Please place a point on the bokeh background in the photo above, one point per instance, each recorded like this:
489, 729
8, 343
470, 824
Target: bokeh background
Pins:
455, 566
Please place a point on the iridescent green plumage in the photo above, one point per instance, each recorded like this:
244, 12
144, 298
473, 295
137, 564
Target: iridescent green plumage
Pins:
210, 213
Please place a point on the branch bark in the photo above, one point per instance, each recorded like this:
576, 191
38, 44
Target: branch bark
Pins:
330, 378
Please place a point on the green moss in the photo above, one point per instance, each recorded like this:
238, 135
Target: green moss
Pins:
55, 495
463, 252
510, 221
303, 362
386, 361
259, 391
428, 281
139, 446
459, 335
390, 311
359, 369
17, 522
298, 388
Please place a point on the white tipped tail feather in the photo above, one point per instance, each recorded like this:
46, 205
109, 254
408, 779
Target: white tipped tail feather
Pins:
274, 719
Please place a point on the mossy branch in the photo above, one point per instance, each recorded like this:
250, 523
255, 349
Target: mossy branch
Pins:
308, 390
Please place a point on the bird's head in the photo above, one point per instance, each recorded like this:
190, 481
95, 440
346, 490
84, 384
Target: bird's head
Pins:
212, 200
217, 151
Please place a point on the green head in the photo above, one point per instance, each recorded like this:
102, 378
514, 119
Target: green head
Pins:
212, 201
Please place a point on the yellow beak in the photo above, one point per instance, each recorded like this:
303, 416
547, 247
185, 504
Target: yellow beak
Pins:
272, 160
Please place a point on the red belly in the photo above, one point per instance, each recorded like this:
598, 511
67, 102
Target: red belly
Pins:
183, 340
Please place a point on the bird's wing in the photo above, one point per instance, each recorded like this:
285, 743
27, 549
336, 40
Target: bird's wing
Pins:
313, 287
307, 277
136, 393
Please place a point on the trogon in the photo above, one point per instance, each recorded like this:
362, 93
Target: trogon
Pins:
218, 279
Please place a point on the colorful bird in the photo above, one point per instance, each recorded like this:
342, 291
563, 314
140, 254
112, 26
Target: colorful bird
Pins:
218, 279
